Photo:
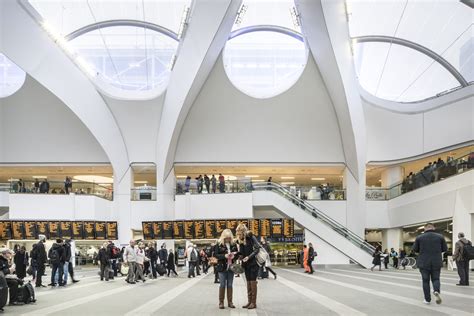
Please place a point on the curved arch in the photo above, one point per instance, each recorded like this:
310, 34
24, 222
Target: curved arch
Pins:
122, 22
420, 48
267, 28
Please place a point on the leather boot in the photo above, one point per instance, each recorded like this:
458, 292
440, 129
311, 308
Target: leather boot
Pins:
249, 295
221, 297
253, 287
229, 298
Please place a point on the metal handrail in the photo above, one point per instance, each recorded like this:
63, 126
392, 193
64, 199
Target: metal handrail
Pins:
315, 212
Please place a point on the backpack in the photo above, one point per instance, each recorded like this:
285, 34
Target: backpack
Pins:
468, 252
26, 293
193, 256
54, 256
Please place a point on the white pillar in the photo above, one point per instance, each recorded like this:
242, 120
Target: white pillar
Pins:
391, 176
463, 217
355, 203
392, 238
165, 196
121, 207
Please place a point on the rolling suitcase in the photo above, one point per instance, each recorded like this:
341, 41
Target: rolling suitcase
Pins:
3, 291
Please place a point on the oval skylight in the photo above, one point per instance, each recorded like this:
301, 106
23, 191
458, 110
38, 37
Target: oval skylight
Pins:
12, 77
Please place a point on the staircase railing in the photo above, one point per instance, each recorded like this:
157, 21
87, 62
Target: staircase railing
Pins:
316, 213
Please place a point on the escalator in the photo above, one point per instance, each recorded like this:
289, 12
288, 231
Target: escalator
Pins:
318, 223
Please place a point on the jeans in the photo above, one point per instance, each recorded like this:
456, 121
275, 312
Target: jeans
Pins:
113, 264
57, 268
153, 268
65, 273
463, 272
104, 271
131, 272
192, 266
426, 275
226, 279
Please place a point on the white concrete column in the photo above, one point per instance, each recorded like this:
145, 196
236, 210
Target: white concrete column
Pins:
165, 195
391, 176
355, 203
463, 216
121, 207
392, 238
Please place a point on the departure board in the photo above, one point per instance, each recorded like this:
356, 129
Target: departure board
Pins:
100, 232
265, 228
65, 229
5, 230
42, 228
277, 228
210, 229
232, 225
18, 230
30, 230
168, 230
188, 229
53, 228
288, 228
112, 233
178, 230
199, 230
157, 230
254, 225
89, 230
220, 226
78, 230
147, 230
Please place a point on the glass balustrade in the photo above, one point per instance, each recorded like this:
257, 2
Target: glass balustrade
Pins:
422, 178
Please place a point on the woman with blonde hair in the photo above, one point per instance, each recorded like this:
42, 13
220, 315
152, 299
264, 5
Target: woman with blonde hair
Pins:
226, 252
248, 249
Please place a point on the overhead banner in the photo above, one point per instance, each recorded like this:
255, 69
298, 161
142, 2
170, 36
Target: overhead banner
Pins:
30, 230
212, 229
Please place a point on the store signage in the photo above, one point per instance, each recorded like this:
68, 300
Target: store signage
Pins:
212, 229
92, 230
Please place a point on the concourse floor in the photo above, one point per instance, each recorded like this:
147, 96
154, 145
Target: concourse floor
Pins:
331, 291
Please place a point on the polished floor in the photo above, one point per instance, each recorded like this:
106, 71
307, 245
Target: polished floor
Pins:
332, 291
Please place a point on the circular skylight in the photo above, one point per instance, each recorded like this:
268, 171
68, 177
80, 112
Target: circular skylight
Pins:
12, 77
263, 64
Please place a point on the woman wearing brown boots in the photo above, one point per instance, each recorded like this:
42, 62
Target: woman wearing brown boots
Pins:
248, 249
226, 252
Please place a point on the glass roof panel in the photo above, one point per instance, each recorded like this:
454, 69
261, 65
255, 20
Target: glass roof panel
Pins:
268, 12
445, 27
67, 16
12, 77
381, 65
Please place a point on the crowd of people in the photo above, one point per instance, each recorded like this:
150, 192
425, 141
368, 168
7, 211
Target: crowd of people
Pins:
212, 184
434, 171
44, 187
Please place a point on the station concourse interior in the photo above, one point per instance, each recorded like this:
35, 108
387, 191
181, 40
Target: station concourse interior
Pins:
330, 129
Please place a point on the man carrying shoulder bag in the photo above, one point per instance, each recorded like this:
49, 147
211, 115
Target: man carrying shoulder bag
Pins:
463, 252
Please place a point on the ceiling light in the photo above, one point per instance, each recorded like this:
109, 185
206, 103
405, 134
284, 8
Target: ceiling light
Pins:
143, 182
40, 177
287, 178
181, 177
228, 177
258, 180
318, 179
252, 176
13, 180
380, 180
287, 183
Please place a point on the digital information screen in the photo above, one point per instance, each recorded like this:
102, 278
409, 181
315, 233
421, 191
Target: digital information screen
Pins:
212, 229
100, 232
30, 230
42, 228
89, 230
5, 230
78, 230
112, 233
18, 230
66, 230
53, 227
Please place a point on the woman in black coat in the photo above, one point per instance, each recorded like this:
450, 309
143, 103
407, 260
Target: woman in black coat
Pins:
376, 261
248, 249
170, 264
21, 262
226, 252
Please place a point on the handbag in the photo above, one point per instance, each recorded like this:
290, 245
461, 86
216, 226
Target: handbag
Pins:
237, 267
124, 269
213, 261
262, 255
29, 271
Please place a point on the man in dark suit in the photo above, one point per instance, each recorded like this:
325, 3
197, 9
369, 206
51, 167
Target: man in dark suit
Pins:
430, 247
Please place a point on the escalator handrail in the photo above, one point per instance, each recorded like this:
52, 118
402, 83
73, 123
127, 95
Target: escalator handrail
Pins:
328, 220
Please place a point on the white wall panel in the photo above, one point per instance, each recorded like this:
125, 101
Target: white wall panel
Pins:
36, 126
4, 199
225, 125
337, 210
327, 254
143, 211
